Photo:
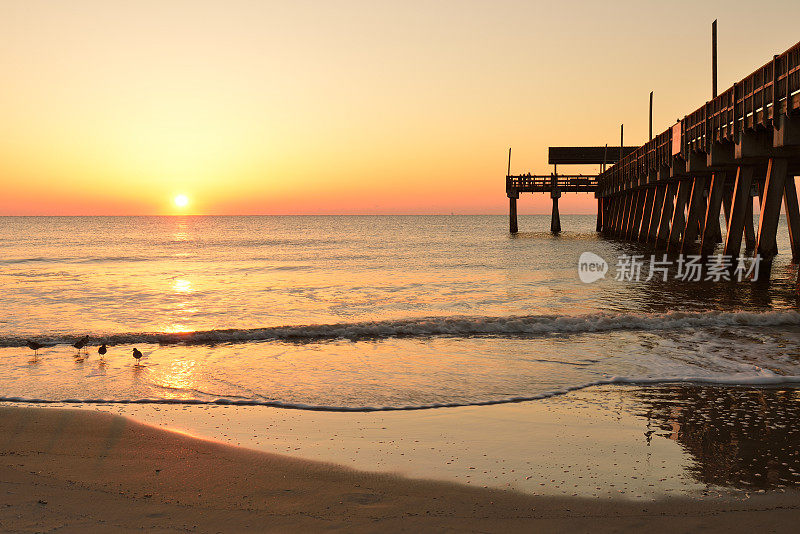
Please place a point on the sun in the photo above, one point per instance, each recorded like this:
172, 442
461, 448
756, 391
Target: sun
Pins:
181, 201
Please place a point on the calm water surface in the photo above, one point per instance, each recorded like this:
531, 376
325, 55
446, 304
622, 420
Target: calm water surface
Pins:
357, 312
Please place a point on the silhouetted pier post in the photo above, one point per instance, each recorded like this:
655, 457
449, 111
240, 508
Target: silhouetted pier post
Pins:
555, 194
739, 210
647, 214
678, 226
662, 236
749, 231
600, 215
790, 207
513, 195
774, 188
512, 214
658, 206
714, 59
711, 231
695, 214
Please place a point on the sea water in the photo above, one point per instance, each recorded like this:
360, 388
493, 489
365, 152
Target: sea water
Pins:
365, 313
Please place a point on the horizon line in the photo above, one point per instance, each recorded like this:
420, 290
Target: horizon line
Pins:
282, 214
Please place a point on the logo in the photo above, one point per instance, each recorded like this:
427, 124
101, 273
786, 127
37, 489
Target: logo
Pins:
591, 267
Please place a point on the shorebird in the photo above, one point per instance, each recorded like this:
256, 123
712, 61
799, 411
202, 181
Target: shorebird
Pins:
34, 346
137, 355
102, 350
81, 343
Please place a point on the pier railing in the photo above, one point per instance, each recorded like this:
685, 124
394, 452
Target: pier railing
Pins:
566, 183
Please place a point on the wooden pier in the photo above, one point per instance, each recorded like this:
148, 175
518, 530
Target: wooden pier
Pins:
669, 192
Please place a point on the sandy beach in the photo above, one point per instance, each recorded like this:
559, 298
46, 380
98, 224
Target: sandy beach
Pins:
86, 470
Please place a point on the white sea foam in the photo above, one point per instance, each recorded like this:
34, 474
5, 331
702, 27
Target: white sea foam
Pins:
457, 326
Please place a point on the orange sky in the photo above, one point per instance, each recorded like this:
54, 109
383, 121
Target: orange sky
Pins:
342, 107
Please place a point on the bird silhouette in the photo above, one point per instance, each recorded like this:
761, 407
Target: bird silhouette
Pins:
137, 354
81, 343
102, 350
34, 346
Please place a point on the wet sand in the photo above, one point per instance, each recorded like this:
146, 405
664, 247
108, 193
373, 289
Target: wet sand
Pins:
640, 443
85, 470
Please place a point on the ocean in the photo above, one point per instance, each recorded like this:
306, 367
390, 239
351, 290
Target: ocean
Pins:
361, 313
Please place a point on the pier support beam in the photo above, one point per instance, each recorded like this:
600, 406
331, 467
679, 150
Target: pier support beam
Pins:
695, 214
626, 208
614, 213
632, 201
647, 214
638, 215
512, 214
635, 213
716, 228
727, 200
655, 219
738, 216
749, 232
600, 215
662, 237
792, 216
678, 226
619, 200
555, 220
711, 226
766, 246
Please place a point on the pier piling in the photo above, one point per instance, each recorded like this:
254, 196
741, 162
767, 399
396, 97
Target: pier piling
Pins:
555, 219
512, 214
662, 237
678, 226
774, 187
790, 206
600, 215
695, 214
647, 215
711, 231
658, 206
737, 220
749, 231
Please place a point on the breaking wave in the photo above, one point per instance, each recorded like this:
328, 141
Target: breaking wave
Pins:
453, 326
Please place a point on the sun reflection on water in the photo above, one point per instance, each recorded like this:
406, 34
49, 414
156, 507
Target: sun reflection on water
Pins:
178, 328
182, 307
179, 378
181, 232
181, 285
